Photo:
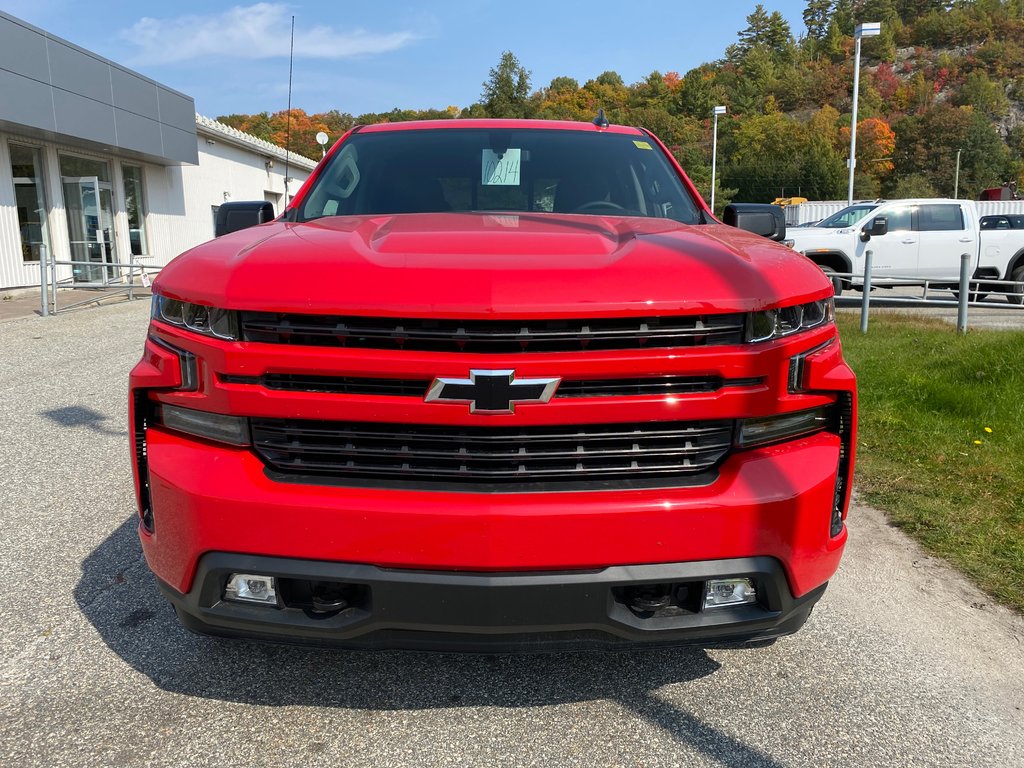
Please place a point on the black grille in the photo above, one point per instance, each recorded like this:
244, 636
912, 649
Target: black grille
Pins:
354, 385
654, 385
337, 385
431, 455
492, 336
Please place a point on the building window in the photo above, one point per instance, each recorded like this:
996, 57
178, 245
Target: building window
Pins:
134, 205
27, 170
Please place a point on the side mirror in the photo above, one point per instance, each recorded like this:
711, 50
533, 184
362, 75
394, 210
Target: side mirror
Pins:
761, 219
243, 214
878, 226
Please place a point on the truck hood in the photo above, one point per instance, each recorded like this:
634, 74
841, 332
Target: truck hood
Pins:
482, 265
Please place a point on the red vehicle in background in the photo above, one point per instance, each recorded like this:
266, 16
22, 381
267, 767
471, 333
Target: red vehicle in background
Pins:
494, 385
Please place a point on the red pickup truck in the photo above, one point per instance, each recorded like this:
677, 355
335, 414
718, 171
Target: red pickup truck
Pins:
494, 385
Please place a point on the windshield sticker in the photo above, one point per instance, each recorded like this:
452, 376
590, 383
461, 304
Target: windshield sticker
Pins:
642, 145
500, 168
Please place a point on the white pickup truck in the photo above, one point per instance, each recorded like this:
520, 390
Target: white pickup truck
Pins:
912, 240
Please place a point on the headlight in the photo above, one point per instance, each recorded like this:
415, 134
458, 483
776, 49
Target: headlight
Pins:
209, 321
785, 321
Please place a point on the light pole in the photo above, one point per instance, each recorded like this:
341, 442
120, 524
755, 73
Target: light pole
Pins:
956, 182
867, 29
714, 155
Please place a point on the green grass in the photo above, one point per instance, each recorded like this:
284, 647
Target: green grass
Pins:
924, 455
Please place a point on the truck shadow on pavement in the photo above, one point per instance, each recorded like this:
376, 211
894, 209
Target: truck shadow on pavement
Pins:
118, 595
82, 416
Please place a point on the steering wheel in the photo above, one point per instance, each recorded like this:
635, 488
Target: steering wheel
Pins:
593, 204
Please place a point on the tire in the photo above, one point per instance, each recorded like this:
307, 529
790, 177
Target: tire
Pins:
837, 283
1016, 276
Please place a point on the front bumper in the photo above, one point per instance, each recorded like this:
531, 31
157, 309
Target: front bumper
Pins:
771, 502
431, 610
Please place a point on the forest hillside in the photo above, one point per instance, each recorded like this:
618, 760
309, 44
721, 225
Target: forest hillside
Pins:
943, 78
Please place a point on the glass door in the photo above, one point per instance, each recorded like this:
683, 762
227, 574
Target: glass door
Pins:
89, 207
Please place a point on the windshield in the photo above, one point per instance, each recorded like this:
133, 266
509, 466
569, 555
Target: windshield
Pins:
514, 170
847, 217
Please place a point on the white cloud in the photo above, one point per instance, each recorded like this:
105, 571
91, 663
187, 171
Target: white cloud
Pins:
258, 31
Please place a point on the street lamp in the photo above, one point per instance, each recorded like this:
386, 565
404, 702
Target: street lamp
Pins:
867, 29
956, 182
714, 155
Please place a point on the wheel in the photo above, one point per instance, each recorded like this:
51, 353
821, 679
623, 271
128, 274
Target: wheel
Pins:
598, 204
837, 283
1016, 295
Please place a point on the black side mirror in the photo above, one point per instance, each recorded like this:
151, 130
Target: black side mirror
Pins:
878, 226
243, 214
761, 219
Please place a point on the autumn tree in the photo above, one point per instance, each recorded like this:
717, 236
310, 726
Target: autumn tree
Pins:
876, 142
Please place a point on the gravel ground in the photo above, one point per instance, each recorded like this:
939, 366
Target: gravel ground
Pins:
902, 663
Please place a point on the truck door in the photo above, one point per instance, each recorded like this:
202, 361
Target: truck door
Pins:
894, 253
945, 233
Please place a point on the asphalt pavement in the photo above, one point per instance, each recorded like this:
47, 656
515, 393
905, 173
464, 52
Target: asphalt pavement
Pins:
902, 663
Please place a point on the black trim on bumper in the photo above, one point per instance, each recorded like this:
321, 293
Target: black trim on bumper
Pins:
494, 613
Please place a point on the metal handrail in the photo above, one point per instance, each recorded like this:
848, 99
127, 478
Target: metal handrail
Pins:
48, 303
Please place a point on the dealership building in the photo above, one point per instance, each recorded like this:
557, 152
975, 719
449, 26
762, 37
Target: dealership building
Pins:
100, 165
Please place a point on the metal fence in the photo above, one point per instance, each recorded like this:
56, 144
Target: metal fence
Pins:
963, 292
102, 279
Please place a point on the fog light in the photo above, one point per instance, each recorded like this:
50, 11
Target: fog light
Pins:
250, 588
723, 592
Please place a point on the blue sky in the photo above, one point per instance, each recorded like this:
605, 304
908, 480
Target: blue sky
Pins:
371, 57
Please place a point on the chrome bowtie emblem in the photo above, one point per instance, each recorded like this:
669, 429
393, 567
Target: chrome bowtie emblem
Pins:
492, 391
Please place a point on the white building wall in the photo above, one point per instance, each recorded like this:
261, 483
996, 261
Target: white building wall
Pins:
225, 172
178, 200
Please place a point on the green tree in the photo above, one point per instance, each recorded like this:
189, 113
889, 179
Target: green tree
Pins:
913, 185
699, 94
928, 144
610, 78
985, 96
506, 91
652, 92
768, 30
563, 85
817, 16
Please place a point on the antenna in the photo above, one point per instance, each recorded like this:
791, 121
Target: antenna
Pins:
601, 121
288, 120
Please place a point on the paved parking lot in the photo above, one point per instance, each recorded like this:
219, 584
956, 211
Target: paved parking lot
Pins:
901, 664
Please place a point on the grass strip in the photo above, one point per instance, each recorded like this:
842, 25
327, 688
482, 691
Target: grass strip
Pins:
941, 442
